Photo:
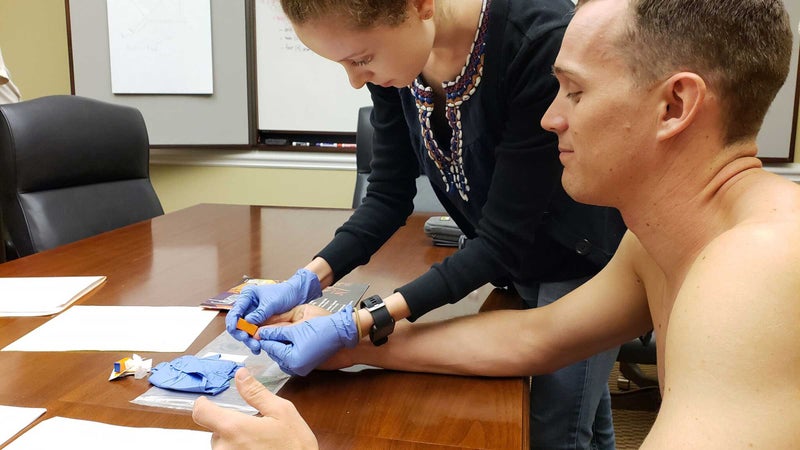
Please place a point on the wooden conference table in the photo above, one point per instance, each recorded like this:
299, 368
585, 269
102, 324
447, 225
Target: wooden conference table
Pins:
184, 257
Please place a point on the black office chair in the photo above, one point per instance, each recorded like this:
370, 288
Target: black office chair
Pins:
637, 389
2, 239
71, 167
425, 200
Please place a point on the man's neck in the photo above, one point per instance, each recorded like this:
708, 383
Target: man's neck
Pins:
679, 214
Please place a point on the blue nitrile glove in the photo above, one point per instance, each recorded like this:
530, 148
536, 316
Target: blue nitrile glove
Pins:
210, 375
257, 303
301, 347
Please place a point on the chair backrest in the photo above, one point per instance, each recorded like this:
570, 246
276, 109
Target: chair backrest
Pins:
2, 239
364, 135
72, 167
425, 200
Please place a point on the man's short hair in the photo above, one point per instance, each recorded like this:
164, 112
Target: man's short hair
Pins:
741, 48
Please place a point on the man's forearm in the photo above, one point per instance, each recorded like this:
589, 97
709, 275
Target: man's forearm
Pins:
497, 343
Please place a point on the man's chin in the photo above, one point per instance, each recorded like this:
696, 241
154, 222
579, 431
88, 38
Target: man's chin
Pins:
582, 195
572, 189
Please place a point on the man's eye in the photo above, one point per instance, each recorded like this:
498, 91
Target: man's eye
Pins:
574, 96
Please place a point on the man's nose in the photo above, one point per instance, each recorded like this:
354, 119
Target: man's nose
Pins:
553, 120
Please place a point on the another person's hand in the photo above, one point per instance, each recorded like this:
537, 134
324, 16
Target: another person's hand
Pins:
259, 302
297, 314
299, 348
281, 426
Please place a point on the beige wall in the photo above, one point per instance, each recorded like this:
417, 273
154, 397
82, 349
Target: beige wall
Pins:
33, 37
34, 43
182, 186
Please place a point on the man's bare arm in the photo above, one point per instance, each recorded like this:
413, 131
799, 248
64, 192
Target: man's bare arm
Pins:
606, 311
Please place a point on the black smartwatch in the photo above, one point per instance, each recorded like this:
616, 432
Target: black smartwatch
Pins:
382, 321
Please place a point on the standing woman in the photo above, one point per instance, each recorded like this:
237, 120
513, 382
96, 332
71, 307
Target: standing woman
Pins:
458, 88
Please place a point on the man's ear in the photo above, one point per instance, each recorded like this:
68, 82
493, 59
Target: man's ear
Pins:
682, 99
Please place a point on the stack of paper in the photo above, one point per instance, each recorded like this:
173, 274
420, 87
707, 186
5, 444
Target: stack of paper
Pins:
42, 296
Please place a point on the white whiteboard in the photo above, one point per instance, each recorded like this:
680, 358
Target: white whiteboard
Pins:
219, 119
297, 89
775, 138
160, 46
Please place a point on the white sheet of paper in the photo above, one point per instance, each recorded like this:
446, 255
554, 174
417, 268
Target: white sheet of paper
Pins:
118, 328
61, 432
42, 296
14, 418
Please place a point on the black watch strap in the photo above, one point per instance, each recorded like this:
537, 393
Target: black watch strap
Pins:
382, 321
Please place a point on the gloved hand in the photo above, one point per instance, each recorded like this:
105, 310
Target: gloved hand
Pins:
299, 348
257, 303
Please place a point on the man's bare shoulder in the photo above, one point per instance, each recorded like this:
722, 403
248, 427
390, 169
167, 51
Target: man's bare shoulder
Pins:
733, 344
765, 225
763, 238
766, 200
755, 264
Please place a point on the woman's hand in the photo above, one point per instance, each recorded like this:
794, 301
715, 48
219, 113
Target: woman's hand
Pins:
341, 359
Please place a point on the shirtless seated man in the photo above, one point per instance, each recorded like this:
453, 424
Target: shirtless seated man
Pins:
657, 115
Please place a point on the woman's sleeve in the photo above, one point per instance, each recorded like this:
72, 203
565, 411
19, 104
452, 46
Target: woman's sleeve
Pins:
390, 193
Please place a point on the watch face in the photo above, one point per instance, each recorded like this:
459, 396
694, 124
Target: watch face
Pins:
373, 303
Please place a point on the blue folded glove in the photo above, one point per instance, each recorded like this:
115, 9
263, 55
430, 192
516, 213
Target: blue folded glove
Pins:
259, 302
299, 348
188, 373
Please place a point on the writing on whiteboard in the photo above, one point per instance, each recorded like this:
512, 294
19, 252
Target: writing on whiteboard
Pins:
297, 89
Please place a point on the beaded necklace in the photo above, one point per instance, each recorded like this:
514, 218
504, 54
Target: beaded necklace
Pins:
449, 161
